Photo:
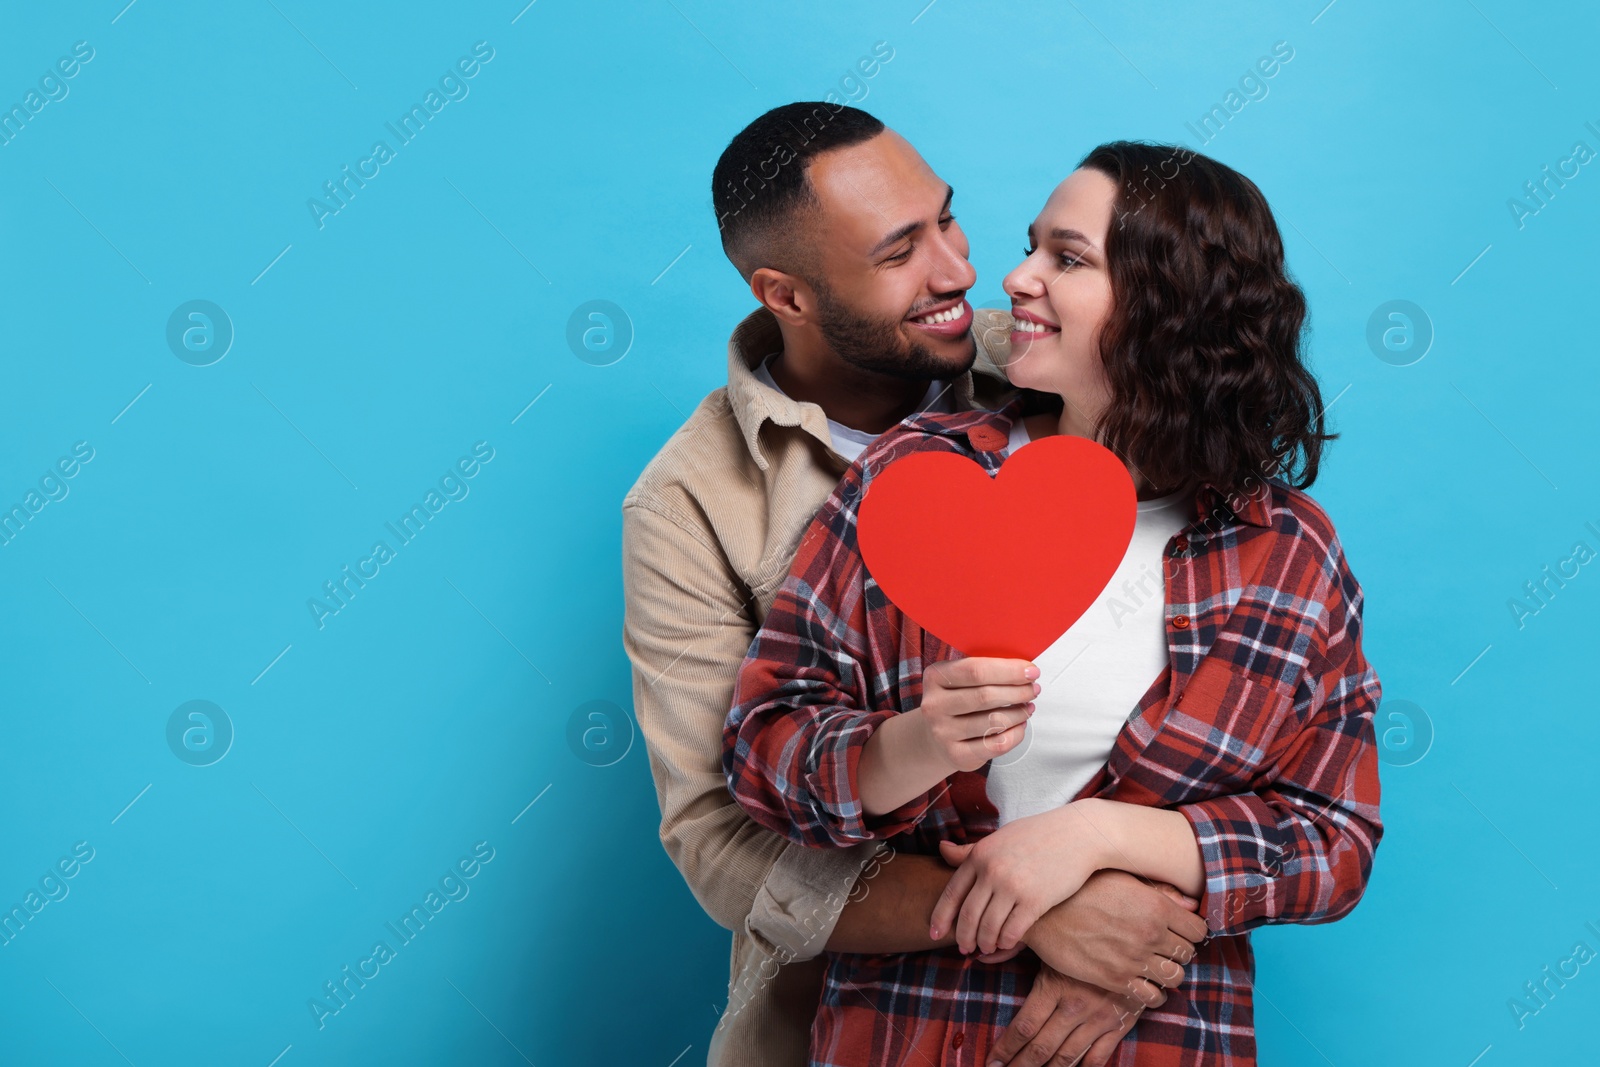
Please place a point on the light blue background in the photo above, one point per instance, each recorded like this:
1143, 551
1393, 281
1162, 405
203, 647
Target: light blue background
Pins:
428, 313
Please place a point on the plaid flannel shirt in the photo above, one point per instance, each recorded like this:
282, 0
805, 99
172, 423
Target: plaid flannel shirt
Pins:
1260, 733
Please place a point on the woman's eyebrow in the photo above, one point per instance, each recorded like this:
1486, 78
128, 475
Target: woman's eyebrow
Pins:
1069, 235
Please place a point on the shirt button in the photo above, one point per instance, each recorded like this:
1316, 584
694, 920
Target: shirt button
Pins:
1180, 622
1180, 544
987, 438
956, 1042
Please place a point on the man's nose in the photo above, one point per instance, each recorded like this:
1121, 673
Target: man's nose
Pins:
951, 269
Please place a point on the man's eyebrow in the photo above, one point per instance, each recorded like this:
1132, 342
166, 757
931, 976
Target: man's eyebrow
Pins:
911, 227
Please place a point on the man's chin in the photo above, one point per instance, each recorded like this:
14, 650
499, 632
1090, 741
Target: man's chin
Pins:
946, 359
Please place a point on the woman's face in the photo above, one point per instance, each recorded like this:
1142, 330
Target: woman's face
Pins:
1061, 295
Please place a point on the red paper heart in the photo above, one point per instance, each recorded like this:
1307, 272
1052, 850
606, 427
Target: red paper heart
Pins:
999, 566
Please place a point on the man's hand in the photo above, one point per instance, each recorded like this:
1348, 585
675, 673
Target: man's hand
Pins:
1121, 934
1066, 1019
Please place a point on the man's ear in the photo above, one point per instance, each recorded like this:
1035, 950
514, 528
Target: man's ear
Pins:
785, 295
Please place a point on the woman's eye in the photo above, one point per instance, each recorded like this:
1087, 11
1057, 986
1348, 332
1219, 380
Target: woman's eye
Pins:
1029, 250
1068, 260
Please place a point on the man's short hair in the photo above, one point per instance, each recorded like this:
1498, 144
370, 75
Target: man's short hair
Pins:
760, 190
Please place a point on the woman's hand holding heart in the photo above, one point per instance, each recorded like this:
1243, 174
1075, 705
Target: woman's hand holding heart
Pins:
973, 709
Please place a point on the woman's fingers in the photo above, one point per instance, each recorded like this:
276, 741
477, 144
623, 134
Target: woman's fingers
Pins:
983, 698
988, 746
994, 918
950, 901
971, 914
1017, 925
977, 724
974, 671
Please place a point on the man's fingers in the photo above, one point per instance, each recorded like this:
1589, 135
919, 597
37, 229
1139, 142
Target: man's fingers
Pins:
1164, 971
1191, 927
1147, 992
1029, 1022
1181, 952
1074, 1045
1177, 896
1059, 1041
1100, 1052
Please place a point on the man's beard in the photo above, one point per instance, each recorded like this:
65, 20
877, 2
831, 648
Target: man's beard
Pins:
878, 345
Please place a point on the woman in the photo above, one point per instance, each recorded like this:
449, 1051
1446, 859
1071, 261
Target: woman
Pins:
1154, 301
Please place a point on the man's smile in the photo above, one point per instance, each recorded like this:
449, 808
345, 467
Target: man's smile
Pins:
953, 318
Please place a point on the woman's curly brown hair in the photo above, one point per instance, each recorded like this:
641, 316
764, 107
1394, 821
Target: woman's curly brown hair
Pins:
1202, 347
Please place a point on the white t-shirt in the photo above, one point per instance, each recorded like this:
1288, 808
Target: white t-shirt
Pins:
1094, 675
1086, 696
851, 443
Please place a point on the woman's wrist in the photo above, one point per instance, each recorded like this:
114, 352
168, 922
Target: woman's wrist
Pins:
898, 764
1149, 842
1093, 824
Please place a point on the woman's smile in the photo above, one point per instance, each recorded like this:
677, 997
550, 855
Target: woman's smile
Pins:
1030, 327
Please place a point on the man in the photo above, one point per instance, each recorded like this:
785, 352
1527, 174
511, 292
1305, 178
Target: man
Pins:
845, 237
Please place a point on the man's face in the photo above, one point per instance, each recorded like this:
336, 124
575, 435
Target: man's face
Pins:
891, 264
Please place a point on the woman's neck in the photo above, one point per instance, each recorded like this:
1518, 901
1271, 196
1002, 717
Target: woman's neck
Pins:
1071, 421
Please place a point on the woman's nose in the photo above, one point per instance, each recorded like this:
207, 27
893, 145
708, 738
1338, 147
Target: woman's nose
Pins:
1022, 282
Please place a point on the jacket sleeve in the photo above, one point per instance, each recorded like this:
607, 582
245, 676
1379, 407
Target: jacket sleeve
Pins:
1300, 849
687, 623
804, 706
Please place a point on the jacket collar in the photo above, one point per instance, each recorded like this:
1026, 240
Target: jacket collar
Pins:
755, 403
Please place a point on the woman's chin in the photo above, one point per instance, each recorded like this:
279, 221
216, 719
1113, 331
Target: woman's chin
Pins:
1019, 370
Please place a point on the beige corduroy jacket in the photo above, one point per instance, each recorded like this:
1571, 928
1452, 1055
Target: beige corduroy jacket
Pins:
708, 534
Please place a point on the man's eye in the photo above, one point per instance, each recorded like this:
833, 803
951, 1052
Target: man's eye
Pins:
903, 256
947, 220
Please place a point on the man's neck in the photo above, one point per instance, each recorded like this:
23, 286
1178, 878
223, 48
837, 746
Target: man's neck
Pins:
861, 399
